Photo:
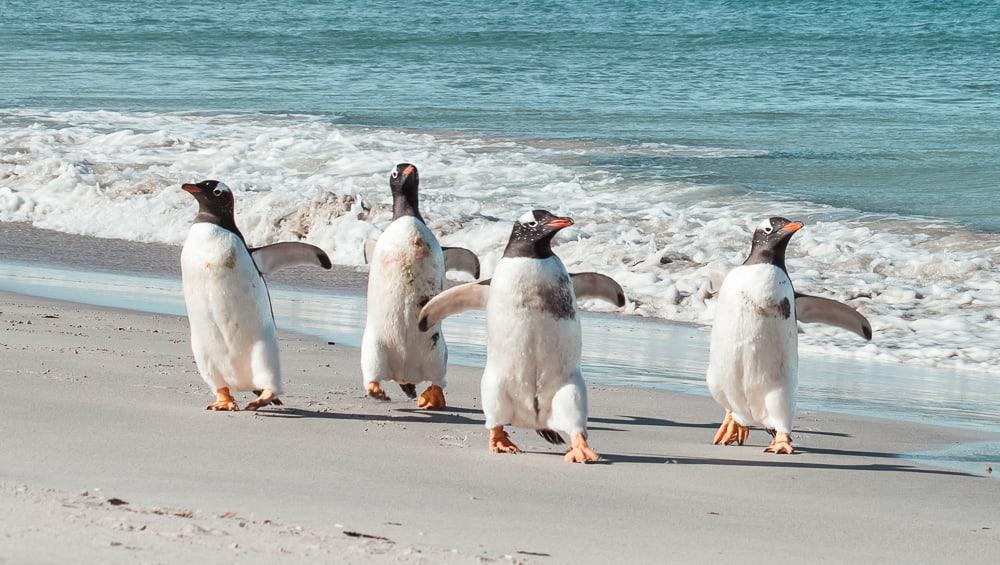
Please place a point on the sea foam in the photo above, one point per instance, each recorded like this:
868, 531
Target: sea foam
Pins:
929, 287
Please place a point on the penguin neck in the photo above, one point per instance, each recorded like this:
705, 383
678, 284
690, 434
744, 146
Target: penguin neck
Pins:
538, 249
774, 255
406, 204
225, 220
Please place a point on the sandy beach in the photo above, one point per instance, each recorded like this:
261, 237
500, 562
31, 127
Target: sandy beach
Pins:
107, 450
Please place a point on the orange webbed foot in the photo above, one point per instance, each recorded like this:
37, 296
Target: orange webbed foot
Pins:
431, 399
375, 391
266, 397
580, 452
731, 432
500, 442
782, 443
224, 402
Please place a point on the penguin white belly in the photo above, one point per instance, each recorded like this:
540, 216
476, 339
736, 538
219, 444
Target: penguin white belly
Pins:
533, 348
407, 270
233, 335
753, 359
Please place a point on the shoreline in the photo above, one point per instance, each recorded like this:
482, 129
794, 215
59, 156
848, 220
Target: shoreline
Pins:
332, 461
621, 349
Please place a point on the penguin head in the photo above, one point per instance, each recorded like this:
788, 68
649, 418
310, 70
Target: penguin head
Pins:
405, 182
215, 204
404, 179
533, 232
770, 240
211, 195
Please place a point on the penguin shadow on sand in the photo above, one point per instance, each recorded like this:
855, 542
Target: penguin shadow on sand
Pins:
787, 463
450, 415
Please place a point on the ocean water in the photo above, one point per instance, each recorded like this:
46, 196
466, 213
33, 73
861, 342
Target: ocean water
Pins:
667, 132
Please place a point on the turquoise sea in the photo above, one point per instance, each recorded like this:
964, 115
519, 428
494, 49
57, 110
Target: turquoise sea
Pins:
881, 107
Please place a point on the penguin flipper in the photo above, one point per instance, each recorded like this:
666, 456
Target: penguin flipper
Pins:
715, 279
369, 250
596, 285
271, 258
454, 300
833, 313
461, 259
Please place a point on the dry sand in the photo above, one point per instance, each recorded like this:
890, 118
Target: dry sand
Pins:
105, 404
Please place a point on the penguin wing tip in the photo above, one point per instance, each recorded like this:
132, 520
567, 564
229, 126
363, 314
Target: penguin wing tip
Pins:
324, 259
868, 332
423, 323
621, 299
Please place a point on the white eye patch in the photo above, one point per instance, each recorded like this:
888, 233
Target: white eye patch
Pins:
395, 173
765, 226
220, 188
527, 218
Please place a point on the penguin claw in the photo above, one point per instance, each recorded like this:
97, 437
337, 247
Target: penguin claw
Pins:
266, 397
782, 443
375, 391
731, 432
224, 402
224, 406
580, 452
500, 442
432, 398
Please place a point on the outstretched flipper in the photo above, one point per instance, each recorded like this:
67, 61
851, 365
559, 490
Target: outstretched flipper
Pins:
369, 250
271, 258
833, 313
454, 300
461, 259
596, 285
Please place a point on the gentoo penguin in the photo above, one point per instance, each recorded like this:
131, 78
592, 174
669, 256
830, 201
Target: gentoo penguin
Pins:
532, 377
232, 327
753, 354
407, 267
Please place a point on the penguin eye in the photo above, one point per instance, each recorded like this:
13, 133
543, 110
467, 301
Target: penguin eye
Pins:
532, 224
395, 173
217, 191
768, 229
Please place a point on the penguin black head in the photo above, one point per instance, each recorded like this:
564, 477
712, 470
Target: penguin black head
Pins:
770, 240
216, 204
532, 234
404, 180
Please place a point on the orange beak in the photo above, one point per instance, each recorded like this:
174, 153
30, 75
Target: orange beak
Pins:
192, 188
793, 227
560, 223
407, 170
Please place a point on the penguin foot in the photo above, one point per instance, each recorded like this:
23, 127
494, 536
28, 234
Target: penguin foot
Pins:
432, 398
375, 391
263, 399
580, 452
731, 431
224, 402
782, 443
500, 442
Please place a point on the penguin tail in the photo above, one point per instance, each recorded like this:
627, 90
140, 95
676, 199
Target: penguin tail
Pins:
409, 390
551, 436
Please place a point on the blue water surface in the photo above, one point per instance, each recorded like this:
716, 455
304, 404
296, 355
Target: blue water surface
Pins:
883, 107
